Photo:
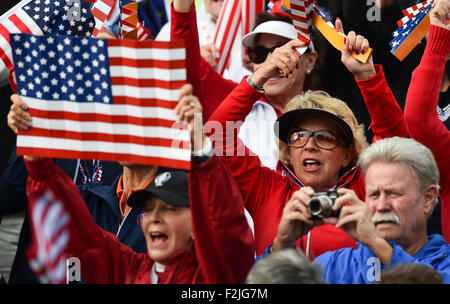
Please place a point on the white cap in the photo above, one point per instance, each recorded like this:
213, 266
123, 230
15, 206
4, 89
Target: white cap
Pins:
278, 28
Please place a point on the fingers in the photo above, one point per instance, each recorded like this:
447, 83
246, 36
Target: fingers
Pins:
209, 52
346, 196
18, 118
350, 216
188, 105
186, 89
357, 43
286, 57
298, 204
339, 26
104, 35
441, 10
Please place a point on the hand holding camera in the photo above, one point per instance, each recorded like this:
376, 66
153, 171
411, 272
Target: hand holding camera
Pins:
307, 209
354, 217
296, 220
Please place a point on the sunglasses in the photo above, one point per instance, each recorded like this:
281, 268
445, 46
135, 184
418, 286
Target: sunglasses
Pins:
258, 54
324, 139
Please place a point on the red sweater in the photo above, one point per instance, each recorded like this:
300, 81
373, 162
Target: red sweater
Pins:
421, 115
266, 192
209, 86
224, 246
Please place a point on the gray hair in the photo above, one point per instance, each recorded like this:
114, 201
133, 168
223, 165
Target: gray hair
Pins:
405, 151
288, 266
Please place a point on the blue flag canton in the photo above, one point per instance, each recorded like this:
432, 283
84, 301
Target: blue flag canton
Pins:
402, 33
62, 68
62, 17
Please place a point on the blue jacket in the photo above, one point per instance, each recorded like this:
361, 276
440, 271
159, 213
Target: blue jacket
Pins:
103, 204
359, 266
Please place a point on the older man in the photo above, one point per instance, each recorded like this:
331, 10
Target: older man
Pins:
401, 179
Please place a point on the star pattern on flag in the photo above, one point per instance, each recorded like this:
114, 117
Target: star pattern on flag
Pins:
61, 17
73, 69
413, 17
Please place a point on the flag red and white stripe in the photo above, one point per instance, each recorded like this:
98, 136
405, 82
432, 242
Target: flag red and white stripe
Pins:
412, 11
235, 15
101, 10
137, 126
301, 18
249, 9
227, 27
16, 20
143, 33
50, 236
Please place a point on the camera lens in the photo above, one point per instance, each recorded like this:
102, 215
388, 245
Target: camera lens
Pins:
314, 206
320, 206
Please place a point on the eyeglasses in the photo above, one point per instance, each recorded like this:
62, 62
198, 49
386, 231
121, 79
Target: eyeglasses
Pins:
258, 54
324, 139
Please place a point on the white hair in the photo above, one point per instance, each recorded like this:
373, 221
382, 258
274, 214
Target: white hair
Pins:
289, 266
405, 151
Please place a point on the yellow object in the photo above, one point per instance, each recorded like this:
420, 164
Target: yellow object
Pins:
286, 3
335, 38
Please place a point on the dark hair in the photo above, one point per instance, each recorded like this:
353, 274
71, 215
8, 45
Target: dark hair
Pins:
312, 80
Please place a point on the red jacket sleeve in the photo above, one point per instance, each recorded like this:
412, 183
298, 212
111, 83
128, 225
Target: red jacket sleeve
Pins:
224, 243
209, 86
103, 258
245, 164
421, 115
385, 113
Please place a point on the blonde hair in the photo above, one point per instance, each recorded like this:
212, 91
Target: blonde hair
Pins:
323, 101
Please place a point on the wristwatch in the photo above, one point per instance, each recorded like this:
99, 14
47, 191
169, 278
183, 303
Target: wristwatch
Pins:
201, 156
253, 85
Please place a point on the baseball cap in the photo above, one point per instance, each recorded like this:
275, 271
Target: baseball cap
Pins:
287, 121
274, 27
171, 187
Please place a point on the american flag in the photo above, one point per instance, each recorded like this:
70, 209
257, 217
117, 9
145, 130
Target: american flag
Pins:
301, 18
412, 28
101, 10
50, 236
48, 17
412, 11
235, 15
109, 99
131, 27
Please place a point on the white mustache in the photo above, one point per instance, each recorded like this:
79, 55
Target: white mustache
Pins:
386, 217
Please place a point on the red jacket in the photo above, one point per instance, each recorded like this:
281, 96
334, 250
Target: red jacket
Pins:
224, 246
266, 192
421, 115
209, 86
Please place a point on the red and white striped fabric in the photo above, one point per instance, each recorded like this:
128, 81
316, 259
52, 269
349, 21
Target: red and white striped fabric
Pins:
410, 12
227, 27
143, 33
130, 22
121, 112
301, 17
101, 10
249, 9
50, 236
235, 15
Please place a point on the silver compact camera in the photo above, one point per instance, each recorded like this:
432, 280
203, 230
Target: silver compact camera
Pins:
321, 204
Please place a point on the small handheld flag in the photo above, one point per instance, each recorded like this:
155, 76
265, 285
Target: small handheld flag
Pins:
412, 29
